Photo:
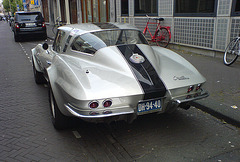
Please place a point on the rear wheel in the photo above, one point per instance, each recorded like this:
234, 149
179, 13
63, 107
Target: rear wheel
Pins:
162, 37
16, 37
231, 52
38, 76
59, 120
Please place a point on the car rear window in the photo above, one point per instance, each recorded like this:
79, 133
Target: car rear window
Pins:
29, 17
91, 42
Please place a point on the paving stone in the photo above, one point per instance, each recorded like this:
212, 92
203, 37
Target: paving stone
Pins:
26, 132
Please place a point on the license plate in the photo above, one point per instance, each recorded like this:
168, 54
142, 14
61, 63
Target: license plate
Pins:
149, 105
30, 24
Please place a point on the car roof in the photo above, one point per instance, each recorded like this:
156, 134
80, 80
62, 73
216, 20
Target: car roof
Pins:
90, 27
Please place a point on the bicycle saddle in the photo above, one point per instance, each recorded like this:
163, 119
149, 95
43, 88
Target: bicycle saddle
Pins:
159, 19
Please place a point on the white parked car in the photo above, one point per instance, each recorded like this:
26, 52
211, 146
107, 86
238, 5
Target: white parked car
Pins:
107, 71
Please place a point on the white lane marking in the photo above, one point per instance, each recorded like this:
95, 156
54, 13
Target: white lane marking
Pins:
76, 134
24, 50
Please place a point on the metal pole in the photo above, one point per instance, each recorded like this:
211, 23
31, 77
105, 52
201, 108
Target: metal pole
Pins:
67, 11
59, 14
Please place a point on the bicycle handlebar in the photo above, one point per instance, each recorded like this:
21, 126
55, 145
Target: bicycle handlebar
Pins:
58, 21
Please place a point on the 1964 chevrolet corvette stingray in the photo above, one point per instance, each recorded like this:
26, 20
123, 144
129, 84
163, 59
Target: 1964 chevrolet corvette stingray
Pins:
105, 72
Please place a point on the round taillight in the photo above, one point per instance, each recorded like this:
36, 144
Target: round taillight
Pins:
198, 87
93, 104
190, 89
17, 26
107, 103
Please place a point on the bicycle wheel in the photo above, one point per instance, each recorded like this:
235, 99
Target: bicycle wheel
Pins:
231, 52
162, 37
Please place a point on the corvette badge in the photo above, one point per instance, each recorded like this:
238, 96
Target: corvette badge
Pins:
137, 59
180, 78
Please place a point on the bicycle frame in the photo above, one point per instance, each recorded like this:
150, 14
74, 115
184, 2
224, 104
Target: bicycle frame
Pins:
153, 37
147, 28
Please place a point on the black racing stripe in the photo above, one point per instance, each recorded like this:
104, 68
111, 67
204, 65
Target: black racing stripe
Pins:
146, 74
106, 26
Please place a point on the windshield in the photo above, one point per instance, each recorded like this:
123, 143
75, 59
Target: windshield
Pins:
91, 42
29, 17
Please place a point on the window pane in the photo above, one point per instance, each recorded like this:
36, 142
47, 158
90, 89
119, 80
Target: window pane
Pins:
124, 7
237, 8
103, 10
67, 42
30, 16
95, 11
145, 6
85, 43
196, 6
89, 11
57, 45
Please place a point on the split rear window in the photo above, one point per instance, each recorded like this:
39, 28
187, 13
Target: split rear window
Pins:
91, 42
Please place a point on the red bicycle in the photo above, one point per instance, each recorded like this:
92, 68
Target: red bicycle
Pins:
162, 35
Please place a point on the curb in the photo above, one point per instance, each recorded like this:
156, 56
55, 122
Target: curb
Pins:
219, 110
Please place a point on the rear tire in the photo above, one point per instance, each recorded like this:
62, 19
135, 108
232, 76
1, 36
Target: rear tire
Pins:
59, 120
162, 37
38, 76
230, 55
16, 37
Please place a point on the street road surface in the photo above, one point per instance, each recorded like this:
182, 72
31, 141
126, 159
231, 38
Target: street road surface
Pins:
27, 134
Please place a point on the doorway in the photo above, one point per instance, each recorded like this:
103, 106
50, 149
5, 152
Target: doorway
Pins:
73, 11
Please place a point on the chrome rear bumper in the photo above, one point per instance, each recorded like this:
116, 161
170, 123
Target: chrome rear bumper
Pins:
190, 98
184, 101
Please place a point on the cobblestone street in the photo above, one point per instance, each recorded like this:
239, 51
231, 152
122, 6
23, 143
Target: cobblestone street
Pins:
26, 130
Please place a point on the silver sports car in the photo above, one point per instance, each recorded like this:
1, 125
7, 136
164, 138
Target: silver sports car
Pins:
105, 72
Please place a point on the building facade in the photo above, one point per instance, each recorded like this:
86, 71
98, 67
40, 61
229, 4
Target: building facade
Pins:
77, 11
205, 24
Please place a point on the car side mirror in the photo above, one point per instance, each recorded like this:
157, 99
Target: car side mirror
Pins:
45, 46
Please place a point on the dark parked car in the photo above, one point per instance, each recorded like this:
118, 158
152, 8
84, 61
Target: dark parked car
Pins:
28, 23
